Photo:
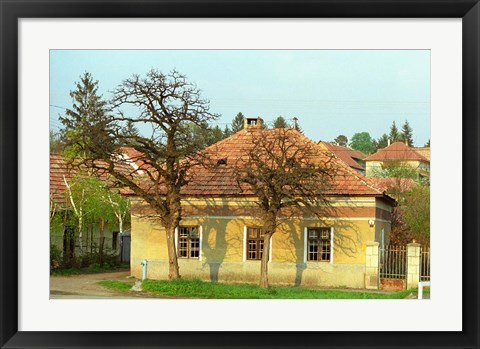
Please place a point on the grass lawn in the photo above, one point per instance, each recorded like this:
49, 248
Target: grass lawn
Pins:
116, 285
193, 288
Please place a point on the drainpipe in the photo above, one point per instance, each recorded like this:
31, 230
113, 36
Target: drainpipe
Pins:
144, 264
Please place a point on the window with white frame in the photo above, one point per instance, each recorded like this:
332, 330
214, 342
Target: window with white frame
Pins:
319, 244
254, 246
188, 242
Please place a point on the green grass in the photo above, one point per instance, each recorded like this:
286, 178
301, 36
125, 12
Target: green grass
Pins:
116, 285
426, 290
194, 288
92, 269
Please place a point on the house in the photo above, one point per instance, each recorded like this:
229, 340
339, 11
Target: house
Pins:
352, 157
220, 239
63, 230
397, 156
424, 151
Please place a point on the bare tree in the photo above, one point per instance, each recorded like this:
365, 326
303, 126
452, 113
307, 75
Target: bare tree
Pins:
148, 115
288, 174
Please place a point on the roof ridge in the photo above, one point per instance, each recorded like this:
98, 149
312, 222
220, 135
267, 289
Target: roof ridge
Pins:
407, 149
352, 171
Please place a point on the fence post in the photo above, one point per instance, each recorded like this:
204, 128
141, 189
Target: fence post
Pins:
371, 266
413, 265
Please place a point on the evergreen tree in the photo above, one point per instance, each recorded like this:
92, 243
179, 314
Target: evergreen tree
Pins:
227, 132
427, 144
280, 122
237, 123
394, 135
88, 107
382, 142
407, 134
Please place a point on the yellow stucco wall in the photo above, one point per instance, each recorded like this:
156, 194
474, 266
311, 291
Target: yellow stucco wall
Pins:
223, 250
372, 168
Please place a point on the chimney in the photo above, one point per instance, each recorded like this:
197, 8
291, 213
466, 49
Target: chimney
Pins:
389, 142
252, 122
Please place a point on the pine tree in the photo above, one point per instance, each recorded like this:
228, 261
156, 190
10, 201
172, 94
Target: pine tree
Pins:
394, 135
407, 134
427, 144
227, 132
237, 123
88, 107
280, 122
382, 142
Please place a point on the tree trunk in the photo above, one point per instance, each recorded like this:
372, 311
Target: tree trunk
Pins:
80, 236
173, 270
102, 241
265, 258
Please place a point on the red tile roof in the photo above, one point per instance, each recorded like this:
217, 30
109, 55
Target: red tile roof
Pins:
346, 154
404, 184
397, 151
424, 151
58, 169
220, 181
134, 158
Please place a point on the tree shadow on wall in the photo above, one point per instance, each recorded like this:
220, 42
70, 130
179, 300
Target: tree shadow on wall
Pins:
347, 237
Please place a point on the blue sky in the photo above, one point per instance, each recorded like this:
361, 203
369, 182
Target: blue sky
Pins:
331, 92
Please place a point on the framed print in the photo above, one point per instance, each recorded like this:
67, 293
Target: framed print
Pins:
391, 60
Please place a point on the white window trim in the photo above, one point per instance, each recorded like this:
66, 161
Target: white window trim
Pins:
244, 258
305, 244
176, 241
244, 243
200, 235
331, 245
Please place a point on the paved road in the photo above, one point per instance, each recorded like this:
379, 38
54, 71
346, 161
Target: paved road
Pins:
86, 286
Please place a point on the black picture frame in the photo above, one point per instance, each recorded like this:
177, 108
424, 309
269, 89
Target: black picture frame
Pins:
12, 11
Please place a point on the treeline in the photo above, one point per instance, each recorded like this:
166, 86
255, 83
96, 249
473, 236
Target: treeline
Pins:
364, 142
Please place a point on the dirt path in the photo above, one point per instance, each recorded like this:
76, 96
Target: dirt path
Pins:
86, 286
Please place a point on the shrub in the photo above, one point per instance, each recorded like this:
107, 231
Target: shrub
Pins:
55, 257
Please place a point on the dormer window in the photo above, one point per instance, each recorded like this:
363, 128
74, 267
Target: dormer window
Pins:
222, 161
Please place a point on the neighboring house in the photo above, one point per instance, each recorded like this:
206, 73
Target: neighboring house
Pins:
398, 155
352, 157
220, 238
64, 236
424, 151
393, 184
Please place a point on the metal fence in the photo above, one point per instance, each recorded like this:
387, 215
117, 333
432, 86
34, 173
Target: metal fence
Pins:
393, 262
110, 244
425, 263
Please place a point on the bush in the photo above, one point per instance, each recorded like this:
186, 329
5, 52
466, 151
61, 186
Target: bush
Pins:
94, 268
55, 257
